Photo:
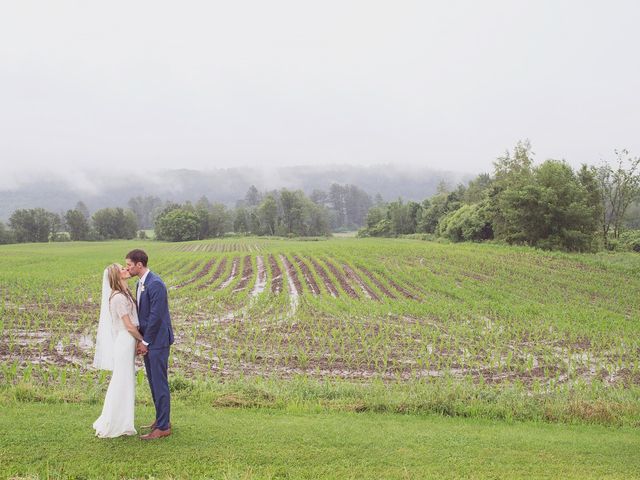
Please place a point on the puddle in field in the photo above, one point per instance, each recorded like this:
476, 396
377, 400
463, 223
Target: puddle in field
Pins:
261, 282
35, 347
196, 354
234, 272
293, 291
85, 342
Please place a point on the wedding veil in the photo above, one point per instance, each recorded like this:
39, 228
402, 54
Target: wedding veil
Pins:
105, 340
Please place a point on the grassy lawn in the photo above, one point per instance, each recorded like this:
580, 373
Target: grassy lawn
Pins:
40, 440
334, 359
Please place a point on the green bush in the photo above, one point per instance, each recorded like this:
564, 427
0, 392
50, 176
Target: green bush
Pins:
629, 241
60, 237
468, 223
381, 229
177, 225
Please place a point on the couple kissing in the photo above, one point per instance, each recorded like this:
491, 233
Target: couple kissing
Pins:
131, 325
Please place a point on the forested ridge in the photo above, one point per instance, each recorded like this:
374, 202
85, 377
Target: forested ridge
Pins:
549, 205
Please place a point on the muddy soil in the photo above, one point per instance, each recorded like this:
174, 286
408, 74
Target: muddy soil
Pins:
276, 274
353, 276
341, 280
247, 273
205, 270
401, 289
325, 278
378, 283
306, 273
216, 275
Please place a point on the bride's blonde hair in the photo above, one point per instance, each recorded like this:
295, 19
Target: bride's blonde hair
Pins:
113, 272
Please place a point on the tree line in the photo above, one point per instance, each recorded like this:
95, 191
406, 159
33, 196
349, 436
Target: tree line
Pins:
277, 212
40, 225
550, 206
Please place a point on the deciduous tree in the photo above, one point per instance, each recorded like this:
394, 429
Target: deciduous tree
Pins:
619, 188
77, 225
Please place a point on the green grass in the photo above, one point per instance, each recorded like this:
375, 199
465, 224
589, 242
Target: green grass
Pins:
596, 404
56, 441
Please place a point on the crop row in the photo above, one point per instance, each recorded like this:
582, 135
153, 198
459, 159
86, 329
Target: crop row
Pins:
300, 274
353, 309
217, 247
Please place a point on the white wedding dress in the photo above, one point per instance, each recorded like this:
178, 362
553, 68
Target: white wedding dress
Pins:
116, 349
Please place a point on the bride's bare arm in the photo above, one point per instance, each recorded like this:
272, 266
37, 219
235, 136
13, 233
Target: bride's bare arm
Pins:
131, 328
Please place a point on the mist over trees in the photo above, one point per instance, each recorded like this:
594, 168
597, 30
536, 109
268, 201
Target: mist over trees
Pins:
549, 206
146, 209
226, 186
347, 205
280, 212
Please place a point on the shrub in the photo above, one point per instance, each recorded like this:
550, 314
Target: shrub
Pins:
629, 241
468, 223
177, 226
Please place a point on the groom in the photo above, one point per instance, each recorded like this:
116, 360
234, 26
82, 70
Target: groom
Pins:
157, 333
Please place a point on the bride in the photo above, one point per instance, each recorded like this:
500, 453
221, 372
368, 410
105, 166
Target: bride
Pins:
115, 350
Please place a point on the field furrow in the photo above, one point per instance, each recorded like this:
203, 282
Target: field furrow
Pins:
201, 274
216, 274
235, 265
261, 281
346, 287
276, 275
478, 319
308, 276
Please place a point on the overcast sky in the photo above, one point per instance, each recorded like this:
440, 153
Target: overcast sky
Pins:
184, 84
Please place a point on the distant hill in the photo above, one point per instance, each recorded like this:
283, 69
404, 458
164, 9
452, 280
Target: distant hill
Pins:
98, 189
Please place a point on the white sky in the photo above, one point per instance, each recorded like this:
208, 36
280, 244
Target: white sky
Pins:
184, 84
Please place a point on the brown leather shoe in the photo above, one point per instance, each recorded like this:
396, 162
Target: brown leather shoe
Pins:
152, 426
157, 433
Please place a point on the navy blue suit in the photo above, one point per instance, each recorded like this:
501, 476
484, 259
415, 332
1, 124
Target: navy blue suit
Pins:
155, 327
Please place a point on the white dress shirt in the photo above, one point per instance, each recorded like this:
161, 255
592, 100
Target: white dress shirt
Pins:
140, 285
139, 294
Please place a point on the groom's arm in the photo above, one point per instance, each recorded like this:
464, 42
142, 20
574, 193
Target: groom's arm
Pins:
157, 301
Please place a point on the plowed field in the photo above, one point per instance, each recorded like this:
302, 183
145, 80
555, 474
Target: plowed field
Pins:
394, 310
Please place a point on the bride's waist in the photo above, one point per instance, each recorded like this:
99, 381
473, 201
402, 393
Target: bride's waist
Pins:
123, 329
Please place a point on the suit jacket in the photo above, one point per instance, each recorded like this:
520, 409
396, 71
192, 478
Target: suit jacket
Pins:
153, 312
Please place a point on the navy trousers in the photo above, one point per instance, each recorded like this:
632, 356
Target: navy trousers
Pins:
156, 362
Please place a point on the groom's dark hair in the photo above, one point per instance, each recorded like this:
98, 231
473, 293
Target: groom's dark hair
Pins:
138, 255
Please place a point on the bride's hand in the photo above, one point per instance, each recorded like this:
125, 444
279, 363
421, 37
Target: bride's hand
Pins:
142, 349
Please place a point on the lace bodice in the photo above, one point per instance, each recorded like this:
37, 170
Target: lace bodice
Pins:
119, 306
